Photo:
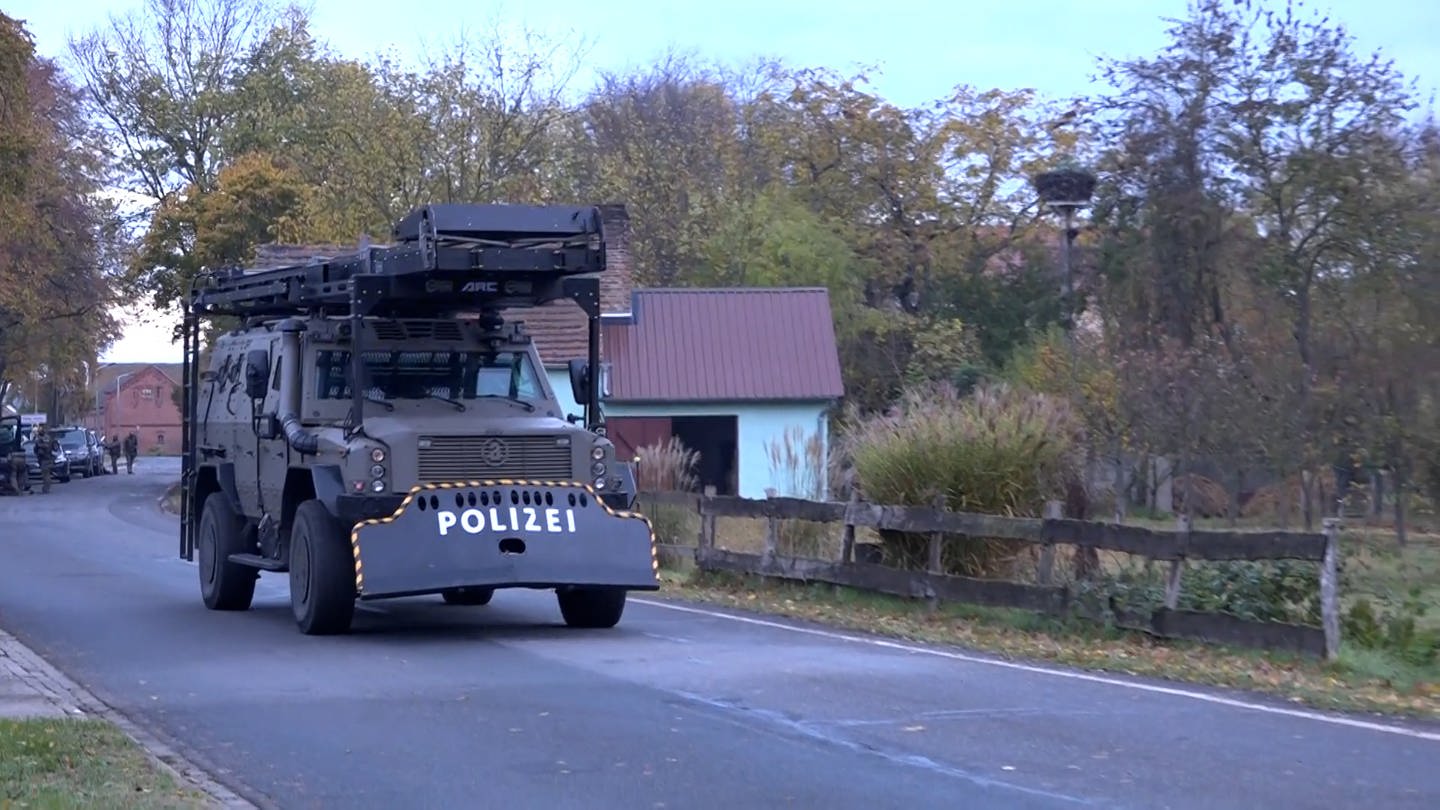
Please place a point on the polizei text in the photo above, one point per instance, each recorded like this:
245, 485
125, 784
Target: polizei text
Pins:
550, 520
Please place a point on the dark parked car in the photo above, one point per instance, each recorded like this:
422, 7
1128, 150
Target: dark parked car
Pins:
60, 471
86, 457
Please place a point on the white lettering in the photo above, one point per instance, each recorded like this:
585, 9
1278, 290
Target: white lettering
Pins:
475, 517
537, 520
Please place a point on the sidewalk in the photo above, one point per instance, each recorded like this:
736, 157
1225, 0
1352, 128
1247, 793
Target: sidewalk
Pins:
30, 687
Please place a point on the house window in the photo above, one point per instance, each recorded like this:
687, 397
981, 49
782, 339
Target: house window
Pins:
147, 393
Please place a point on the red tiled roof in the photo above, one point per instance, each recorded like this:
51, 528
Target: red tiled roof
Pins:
759, 343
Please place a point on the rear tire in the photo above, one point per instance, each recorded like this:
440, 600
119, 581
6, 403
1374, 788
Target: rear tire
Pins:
591, 607
224, 585
467, 596
322, 572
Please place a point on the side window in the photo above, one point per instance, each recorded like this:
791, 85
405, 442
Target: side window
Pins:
275, 378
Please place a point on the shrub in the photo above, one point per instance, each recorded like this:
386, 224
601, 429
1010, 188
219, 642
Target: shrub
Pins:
1209, 498
667, 466
999, 451
1395, 632
798, 469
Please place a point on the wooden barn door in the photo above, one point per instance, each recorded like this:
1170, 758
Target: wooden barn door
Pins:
630, 433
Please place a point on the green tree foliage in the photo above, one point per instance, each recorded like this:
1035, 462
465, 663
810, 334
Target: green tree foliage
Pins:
57, 238
1253, 269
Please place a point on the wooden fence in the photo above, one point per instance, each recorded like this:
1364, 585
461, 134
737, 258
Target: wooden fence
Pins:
1173, 547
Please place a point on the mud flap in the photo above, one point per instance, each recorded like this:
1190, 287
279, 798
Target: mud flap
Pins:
503, 534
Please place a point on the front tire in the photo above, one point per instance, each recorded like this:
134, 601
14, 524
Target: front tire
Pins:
322, 572
591, 607
467, 596
224, 585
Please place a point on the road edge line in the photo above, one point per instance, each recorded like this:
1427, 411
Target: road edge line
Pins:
76, 700
838, 635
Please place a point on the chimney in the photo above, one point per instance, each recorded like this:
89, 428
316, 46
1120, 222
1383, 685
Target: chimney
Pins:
617, 281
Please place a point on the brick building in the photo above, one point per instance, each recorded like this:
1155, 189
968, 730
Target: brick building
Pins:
139, 397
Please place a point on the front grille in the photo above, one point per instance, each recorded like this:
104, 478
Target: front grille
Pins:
474, 458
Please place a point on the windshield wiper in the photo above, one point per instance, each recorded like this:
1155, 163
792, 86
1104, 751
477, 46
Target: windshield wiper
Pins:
529, 406
389, 406
457, 403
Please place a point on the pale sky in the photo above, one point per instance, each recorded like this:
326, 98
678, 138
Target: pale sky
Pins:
921, 53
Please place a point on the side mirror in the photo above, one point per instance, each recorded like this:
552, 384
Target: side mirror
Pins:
580, 380
257, 373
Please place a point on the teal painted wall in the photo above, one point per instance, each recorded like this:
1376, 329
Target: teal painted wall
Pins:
757, 425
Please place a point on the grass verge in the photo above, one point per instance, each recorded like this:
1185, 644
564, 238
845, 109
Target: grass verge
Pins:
74, 762
1361, 680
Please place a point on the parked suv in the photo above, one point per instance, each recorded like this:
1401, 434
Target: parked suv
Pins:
86, 457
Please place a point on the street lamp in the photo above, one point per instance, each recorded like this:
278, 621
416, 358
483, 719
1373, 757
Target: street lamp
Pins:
1066, 189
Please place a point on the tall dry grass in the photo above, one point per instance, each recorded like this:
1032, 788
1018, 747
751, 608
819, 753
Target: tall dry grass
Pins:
667, 466
998, 451
798, 469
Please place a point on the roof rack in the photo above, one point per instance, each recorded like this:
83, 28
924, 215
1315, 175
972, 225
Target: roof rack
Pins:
447, 258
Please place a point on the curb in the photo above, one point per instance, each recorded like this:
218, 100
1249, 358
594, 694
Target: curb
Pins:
76, 701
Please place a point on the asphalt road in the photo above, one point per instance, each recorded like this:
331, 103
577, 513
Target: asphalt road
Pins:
429, 705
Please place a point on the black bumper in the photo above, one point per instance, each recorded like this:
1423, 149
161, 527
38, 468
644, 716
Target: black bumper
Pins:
351, 509
500, 534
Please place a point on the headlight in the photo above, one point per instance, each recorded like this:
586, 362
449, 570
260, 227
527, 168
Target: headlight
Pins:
377, 455
597, 469
600, 482
378, 486
597, 453
377, 471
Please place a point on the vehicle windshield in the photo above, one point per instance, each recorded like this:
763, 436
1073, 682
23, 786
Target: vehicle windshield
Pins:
423, 375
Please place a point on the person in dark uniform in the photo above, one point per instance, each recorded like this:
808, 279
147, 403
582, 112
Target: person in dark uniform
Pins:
132, 449
44, 456
112, 448
12, 457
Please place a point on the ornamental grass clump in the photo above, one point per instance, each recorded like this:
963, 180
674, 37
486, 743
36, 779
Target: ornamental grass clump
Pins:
667, 466
998, 451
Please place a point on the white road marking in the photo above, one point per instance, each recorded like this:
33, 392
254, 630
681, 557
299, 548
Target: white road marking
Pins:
1059, 673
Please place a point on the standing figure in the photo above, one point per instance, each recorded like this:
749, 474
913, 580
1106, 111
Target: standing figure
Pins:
132, 449
44, 456
12, 458
112, 448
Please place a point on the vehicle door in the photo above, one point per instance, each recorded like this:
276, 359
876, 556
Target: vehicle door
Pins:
273, 450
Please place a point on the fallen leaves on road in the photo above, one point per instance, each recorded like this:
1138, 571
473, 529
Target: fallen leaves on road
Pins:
1305, 681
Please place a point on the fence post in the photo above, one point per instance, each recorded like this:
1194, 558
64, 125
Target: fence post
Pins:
847, 537
1054, 510
772, 533
1172, 582
935, 564
1330, 588
706, 535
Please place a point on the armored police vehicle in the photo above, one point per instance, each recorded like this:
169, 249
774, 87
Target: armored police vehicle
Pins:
376, 429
